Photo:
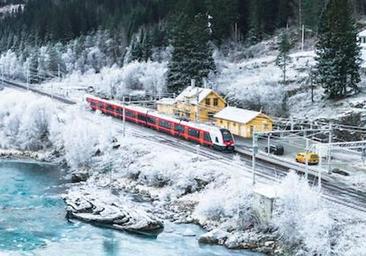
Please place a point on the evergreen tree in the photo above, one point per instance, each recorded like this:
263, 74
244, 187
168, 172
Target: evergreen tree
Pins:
283, 58
338, 53
33, 67
192, 55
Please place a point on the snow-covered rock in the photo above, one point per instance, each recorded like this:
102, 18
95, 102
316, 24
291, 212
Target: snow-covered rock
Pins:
101, 207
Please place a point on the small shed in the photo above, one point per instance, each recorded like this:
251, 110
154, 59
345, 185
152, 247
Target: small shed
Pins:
361, 37
263, 203
243, 122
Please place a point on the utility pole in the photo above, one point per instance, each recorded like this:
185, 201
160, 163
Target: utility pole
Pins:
329, 148
254, 152
59, 72
198, 108
28, 76
124, 117
1, 75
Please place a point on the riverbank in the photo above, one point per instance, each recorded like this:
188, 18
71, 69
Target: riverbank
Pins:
33, 222
169, 183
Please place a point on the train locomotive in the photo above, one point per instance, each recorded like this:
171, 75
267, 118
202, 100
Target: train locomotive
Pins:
207, 135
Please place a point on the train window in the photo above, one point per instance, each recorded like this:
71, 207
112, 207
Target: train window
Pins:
165, 124
217, 140
193, 133
151, 120
207, 137
119, 110
109, 107
141, 117
179, 128
226, 135
130, 113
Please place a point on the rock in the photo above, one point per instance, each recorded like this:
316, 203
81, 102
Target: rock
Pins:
248, 246
269, 243
215, 236
79, 177
103, 208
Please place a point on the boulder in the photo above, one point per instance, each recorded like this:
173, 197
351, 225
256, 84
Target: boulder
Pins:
215, 236
101, 207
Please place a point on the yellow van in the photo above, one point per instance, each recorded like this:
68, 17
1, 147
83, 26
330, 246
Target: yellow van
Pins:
311, 157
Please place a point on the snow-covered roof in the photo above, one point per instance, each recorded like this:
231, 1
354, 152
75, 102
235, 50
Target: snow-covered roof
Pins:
166, 101
362, 33
192, 93
237, 115
267, 191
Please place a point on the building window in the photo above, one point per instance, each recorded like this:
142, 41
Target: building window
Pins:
208, 101
216, 102
234, 124
210, 114
221, 121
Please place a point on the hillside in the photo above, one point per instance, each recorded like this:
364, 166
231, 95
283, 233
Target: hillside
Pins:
111, 48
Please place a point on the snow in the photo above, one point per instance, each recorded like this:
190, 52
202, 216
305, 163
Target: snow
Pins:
181, 185
237, 115
267, 191
102, 207
146, 78
166, 101
191, 94
301, 217
362, 33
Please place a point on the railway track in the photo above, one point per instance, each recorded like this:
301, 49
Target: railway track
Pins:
266, 171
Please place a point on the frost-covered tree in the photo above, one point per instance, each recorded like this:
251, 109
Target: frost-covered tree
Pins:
338, 54
192, 54
33, 67
302, 220
283, 58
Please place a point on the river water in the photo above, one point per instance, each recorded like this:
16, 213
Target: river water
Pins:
32, 222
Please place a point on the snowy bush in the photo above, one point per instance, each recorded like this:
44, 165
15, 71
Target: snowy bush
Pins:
82, 139
252, 84
301, 218
351, 238
230, 199
25, 120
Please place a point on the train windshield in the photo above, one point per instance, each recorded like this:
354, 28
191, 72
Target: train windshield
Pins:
226, 134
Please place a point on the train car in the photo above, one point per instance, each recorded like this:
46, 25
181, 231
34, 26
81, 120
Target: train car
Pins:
211, 136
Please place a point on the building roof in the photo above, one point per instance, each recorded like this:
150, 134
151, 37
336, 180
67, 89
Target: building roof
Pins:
192, 93
166, 101
362, 33
237, 115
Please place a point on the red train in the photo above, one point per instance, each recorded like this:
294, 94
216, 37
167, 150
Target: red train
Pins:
207, 135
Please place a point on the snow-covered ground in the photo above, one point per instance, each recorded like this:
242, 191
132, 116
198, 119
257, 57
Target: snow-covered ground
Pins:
247, 77
179, 185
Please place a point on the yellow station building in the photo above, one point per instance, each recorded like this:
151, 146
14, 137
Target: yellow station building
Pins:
194, 103
242, 122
